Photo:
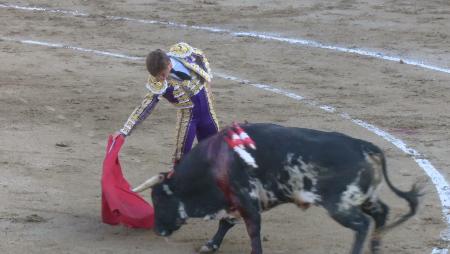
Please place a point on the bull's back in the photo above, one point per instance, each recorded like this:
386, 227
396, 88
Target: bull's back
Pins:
297, 159
275, 142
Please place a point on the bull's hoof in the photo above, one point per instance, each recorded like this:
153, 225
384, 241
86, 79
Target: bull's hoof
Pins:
375, 247
208, 248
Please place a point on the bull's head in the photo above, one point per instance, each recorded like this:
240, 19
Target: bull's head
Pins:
169, 211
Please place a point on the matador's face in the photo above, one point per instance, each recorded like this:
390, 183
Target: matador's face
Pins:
164, 74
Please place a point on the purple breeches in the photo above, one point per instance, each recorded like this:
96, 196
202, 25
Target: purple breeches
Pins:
199, 121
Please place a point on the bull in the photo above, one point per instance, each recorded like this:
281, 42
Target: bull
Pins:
292, 165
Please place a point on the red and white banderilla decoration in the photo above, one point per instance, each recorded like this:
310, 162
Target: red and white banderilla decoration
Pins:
238, 140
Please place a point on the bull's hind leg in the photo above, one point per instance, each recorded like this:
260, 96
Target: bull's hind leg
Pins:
379, 212
214, 244
356, 220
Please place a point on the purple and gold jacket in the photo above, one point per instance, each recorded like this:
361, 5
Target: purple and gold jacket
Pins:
179, 88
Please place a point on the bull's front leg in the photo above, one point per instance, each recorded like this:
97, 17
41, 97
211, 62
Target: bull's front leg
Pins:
253, 224
248, 208
214, 244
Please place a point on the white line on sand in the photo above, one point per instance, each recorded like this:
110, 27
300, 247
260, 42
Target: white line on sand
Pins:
257, 35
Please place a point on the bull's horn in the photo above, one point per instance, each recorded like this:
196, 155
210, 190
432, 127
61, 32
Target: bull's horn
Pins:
149, 183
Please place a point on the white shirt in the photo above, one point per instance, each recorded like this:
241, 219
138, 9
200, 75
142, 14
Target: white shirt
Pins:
178, 66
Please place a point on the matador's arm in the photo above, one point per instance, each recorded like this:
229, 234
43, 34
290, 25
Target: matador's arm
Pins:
156, 89
140, 113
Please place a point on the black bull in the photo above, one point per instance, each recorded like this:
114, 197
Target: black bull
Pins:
301, 166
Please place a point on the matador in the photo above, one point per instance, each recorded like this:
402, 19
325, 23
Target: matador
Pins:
182, 76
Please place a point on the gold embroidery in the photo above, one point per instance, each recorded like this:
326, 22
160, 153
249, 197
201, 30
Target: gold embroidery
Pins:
177, 91
183, 50
183, 120
205, 61
184, 90
210, 100
180, 50
193, 86
134, 117
197, 69
155, 86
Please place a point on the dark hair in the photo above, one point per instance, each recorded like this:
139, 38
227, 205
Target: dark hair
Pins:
157, 61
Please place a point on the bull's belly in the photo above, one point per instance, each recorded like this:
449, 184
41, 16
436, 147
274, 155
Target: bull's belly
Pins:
268, 198
223, 214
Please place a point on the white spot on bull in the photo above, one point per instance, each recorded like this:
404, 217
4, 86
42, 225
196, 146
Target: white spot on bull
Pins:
354, 196
294, 187
373, 193
182, 211
167, 189
375, 161
265, 197
307, 197
222, 214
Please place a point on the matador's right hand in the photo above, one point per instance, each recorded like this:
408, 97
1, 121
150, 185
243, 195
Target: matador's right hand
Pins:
117, 133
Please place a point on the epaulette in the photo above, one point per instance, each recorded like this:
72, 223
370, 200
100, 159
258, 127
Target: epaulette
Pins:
180, 50
155, 86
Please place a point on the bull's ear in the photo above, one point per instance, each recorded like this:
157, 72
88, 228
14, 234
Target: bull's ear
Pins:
159, 178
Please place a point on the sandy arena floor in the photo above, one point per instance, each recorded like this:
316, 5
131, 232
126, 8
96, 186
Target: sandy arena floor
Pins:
58, 105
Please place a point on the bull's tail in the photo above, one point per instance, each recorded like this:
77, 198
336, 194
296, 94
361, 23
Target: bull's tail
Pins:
412, 197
